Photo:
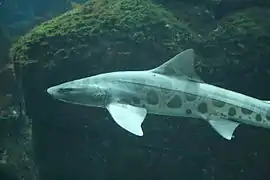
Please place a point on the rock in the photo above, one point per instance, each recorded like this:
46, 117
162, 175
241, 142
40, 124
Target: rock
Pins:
239, 47
194, 2
7, 172
5, 44
226, 7
198, 16
16, 157
101, 36
104, 36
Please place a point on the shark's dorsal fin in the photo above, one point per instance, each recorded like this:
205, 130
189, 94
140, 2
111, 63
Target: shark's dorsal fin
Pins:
181, 65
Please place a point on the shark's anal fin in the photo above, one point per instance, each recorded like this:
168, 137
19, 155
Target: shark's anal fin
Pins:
128, 117
224, 127
181, 65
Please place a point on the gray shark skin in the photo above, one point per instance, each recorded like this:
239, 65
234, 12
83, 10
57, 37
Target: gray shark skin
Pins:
172, 89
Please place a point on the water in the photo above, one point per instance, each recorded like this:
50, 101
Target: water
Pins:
41, 138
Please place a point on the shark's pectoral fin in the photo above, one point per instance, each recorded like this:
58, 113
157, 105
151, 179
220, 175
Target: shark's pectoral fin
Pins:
224, 127
128, 117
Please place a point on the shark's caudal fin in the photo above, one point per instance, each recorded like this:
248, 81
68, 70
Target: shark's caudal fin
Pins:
181, 65
128, 117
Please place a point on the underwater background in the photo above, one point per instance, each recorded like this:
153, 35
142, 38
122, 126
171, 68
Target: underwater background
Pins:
44, 43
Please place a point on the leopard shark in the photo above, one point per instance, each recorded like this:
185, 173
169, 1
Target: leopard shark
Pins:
171, 89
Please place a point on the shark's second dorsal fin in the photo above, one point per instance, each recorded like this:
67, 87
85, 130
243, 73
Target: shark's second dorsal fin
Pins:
181, 65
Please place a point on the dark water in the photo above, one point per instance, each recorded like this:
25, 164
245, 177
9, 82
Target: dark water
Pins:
41, 138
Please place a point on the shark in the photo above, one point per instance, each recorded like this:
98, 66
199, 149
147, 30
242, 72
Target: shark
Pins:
171, 89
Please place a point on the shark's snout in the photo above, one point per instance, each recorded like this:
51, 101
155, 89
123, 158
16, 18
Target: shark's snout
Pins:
52, 91
49, 91
60, 91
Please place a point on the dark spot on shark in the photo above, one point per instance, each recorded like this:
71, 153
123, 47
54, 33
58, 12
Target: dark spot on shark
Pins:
175, 102
218, 103
191, 97
188, 111
246, 111
135, 100
232, 111
152, 97
202, 107
258, 117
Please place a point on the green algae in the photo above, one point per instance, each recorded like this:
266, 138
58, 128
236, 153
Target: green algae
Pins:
100, 36
244, 35
238, 47
98, 24
199, 17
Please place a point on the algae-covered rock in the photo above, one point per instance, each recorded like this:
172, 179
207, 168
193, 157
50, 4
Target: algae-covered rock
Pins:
16, 155
101, 36
198, 17
240, 47
4, 46
114, 28
194, 2
224, 8
73, 142
16, 152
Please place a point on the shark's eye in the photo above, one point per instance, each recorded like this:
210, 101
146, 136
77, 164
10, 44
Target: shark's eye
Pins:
65, 90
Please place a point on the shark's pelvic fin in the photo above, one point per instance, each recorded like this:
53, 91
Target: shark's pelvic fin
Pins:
128, 117
181, 65
224, 127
